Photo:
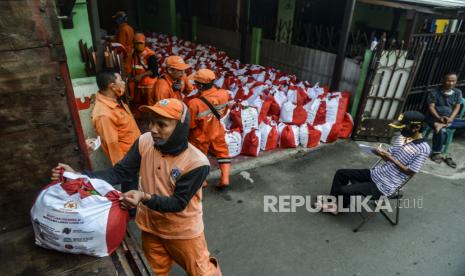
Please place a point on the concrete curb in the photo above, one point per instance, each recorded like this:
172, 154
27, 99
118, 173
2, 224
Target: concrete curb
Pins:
268, 159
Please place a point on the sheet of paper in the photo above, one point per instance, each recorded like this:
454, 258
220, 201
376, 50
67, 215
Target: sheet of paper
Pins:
97, 143
367, 148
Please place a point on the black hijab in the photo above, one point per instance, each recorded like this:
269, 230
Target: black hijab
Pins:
178, 141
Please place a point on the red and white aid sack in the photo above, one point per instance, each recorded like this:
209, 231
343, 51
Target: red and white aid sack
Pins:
79, 216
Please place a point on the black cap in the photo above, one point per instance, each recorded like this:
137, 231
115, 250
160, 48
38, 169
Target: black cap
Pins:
408, 118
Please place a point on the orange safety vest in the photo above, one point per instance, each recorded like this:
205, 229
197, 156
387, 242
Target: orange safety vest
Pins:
159, 174
205, 127
139, 66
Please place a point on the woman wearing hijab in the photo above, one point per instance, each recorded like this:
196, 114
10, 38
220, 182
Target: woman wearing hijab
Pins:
172, 172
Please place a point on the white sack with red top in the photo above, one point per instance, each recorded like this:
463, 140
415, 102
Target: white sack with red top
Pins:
288, 136
336, 106
293, 114
312, 109
269, 135
251, 143
243, 117
233, 139
347, 126
329, 132
309, 136
297, 95
79, 216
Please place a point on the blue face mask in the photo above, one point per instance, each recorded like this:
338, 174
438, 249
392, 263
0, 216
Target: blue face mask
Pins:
121, 19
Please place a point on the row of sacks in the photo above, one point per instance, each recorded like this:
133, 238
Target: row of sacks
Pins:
260, 95
270, 135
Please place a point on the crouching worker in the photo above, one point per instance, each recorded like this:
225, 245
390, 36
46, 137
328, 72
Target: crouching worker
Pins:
206, 130
404, 158
169, 200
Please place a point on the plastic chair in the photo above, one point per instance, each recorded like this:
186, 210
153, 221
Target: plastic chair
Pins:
450, 132
397, 195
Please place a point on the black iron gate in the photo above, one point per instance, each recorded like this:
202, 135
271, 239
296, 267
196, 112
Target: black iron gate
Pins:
444, 53
391, 75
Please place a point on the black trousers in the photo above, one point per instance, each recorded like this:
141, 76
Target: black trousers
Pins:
352, 182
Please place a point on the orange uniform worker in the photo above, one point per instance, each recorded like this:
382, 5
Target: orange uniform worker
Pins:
125, 34
206, 131
173, 83
142, 68
169, 202
112, 118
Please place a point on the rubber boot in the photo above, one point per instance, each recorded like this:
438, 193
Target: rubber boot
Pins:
224, 168
217, 270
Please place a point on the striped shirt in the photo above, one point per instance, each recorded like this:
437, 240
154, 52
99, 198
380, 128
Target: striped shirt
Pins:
413, 154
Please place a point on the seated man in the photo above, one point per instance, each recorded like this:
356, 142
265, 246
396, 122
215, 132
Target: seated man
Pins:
443, 107
404, 158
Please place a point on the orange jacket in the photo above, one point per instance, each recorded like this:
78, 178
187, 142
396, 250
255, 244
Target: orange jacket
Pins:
115, 125
205, 127
125, 36
163, 89
138, 64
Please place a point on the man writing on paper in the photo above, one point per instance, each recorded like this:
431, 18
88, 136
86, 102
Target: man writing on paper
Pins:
403, 159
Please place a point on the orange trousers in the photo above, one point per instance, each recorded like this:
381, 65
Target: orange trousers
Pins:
192, 255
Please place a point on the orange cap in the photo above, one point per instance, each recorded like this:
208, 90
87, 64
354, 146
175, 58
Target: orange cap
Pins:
203, 76
139, 37
118, 14
176, 62
168, 108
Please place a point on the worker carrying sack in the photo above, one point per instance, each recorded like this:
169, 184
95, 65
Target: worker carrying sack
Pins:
79, 216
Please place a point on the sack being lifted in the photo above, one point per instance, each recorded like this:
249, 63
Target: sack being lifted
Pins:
79, 216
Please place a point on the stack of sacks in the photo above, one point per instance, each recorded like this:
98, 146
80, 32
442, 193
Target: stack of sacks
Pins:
268, 108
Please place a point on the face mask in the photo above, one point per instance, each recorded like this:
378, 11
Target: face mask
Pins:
119, 90
121, 20
406, 132
140, 47
177, 86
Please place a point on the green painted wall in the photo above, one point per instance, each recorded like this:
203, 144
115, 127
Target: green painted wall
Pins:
158, 16
71, 38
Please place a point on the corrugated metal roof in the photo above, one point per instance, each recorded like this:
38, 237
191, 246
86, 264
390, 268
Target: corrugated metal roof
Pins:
437, 3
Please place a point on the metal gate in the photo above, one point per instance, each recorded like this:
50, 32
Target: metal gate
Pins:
391, 74
444, 53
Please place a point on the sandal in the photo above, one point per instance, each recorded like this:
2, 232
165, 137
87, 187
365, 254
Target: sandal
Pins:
450, 162
436, 157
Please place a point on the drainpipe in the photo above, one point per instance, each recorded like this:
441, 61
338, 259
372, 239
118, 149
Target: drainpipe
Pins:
343, 39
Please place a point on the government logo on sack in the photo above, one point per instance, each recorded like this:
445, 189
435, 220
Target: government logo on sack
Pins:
70, 205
